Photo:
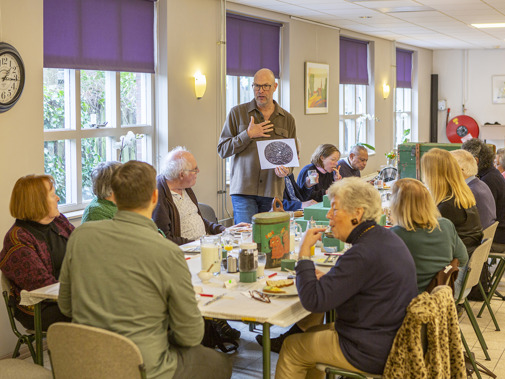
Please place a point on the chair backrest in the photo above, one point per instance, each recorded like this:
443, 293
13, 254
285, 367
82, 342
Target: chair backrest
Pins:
6, 285
207, 212
475, 264
82, 352
490, 231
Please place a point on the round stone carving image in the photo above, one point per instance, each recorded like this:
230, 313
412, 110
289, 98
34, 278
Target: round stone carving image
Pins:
278, 153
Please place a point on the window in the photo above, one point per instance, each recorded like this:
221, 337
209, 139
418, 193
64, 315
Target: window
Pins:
98, 89
354, 120
91, 117
403, 95
403, 115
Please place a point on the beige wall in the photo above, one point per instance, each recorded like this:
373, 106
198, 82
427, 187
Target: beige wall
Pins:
465, 78
188, 34
21, 127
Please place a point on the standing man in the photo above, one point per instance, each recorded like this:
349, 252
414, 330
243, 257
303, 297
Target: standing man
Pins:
253, 189
123, 276
354, 163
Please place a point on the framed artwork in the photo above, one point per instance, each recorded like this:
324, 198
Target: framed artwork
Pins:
499, 89
317, 77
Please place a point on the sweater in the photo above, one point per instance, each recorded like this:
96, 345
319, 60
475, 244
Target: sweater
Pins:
166, 215
346, 170
484, 199
26, 259
121, 275
99, 209
466, 221
434, 250
370, 287
496, 183
317, 191
289, 203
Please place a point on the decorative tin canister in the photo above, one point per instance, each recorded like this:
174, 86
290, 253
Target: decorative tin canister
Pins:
271, 233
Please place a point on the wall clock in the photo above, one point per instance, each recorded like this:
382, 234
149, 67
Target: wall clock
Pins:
12, 76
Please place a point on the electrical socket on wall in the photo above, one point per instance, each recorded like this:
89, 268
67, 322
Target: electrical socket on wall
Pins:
442, 105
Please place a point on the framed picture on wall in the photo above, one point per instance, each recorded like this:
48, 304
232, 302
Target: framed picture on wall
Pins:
499, 89
317, 77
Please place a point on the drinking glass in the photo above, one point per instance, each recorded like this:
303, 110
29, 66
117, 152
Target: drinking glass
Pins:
312, 176
210, 247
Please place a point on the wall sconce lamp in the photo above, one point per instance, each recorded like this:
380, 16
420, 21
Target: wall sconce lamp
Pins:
385, 90
200, 84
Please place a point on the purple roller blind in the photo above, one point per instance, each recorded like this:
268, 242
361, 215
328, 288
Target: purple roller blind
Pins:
353, 61
403, 68
251, 44
112, 35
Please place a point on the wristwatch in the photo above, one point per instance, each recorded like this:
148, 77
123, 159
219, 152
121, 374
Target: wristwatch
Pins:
304, 258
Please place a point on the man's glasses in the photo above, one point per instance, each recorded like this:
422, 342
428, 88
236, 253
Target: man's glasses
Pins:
196, 170
256, 295
264, 87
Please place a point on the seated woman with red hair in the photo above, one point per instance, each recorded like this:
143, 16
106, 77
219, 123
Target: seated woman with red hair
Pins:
35, 245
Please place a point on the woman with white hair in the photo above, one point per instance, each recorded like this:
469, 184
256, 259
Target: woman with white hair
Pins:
369, 287
102, 207
483, 195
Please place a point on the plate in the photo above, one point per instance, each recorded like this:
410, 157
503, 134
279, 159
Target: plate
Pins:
290, 291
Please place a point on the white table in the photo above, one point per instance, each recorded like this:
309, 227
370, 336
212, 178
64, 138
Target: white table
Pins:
282, 311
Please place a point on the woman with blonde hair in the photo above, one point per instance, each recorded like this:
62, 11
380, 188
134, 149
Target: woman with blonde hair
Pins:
35, 246
431, 239
454, 199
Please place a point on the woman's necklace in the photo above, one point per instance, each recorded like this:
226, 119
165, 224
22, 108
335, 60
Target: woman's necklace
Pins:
364, 231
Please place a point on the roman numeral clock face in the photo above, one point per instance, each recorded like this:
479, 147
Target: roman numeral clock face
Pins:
12, 76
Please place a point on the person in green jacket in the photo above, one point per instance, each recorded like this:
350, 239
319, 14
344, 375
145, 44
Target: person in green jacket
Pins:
102, 207
432, 240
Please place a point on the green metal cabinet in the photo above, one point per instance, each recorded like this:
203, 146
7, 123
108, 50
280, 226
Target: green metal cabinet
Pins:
410, 154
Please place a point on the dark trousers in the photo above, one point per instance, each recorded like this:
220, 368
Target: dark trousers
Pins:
50, 314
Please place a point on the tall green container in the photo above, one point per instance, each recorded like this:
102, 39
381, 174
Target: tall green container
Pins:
271, 233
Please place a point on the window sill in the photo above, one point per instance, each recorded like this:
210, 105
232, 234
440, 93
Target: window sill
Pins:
74, 215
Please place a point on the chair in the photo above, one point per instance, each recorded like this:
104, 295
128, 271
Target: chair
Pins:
331, 371
18, 368
472, 278
489, 232
412, 348
82, 352
207, 212
29, 335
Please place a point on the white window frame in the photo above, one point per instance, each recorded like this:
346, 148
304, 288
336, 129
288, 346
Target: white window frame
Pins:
73, 133
403, 115
355, 118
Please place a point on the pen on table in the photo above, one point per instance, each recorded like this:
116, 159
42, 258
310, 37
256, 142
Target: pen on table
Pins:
272, 275
206, 295
188, 258
214, 299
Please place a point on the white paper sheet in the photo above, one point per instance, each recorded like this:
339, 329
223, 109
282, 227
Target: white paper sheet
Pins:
277, 152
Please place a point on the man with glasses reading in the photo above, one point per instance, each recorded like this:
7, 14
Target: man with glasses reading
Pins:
253, 189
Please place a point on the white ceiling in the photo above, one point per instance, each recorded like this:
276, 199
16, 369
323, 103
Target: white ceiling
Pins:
432, 24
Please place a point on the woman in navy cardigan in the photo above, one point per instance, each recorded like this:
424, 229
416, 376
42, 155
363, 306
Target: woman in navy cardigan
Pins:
370, 287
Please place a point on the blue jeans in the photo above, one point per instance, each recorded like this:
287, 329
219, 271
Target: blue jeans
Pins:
246, 206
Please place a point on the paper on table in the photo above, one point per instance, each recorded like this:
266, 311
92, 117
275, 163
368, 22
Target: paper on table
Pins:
279, 152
